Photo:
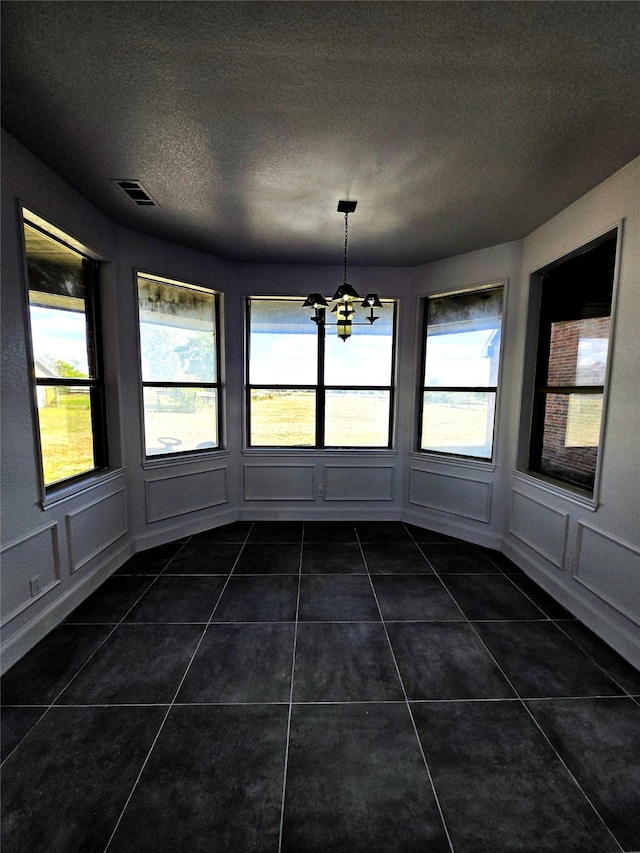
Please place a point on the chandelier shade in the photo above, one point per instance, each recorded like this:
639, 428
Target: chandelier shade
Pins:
345, 295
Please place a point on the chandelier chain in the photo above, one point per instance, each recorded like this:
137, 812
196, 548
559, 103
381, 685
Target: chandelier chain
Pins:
346, 237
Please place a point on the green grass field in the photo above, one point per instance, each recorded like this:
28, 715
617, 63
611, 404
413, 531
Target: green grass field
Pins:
284, 420
66, 435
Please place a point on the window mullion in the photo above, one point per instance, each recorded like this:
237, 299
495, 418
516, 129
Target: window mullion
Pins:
320, 390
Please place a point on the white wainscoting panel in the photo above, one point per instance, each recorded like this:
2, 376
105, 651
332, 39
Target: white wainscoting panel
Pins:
279, 482
357, 483
451, 493
35, 554
94, 527
180, 494
539, 526
610, 569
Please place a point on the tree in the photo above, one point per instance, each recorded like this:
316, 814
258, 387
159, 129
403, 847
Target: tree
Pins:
69, 369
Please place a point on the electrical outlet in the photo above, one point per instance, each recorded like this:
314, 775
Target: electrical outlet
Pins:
35, 586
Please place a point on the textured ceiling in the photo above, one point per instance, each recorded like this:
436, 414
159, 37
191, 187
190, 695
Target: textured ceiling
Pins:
454, 125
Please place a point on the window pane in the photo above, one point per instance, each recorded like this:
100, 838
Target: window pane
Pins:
366, 357
458, 422
57, 307
283, 418
463, 339
177, 333
66, 433
180, 419
283, 344
571, 437
357, 418
578, 352
59, 341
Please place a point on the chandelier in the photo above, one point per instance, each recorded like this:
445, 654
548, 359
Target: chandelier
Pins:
345, 296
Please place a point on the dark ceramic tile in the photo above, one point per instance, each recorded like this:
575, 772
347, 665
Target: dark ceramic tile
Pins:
178, 599
204, 559
490, 597
152, 561
66, 784
336, 598
613, 663
112, 601
258, 599
458, 559
395, 558
213, 782
445, 660
599, 739
415, 597
501, 561
344, 559
268, 560
241, 663
542, 599
276, 531
47, 669
356, 782
15, 723
421, 534
381, 531
344, 662
500, 785
329, 532
541, 662
237, 531
138, 664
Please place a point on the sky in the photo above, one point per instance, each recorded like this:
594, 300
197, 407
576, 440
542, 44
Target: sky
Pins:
59, 335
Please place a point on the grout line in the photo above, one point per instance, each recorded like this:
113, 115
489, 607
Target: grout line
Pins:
171, 705
593, 660
116, 625
538, 726
408, 704
293, 668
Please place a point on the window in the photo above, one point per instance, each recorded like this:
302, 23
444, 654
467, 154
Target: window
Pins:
308, 388
461, 362
573, 342
63, 315
179, 357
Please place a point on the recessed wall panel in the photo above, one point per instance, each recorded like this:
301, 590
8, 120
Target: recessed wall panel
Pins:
539, 526
35, 555
358, 483
91, 529
610, 569
279, 482
180, 494
451, 493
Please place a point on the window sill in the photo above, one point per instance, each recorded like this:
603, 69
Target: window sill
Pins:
452, 461
188, 459
318, 452
93, 481
566, 492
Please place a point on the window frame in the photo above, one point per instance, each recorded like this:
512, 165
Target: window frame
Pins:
539, 352
176, 456
464, 459
58, 490
320, 387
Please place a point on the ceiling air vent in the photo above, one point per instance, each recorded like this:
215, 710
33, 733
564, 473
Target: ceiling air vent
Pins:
137, 192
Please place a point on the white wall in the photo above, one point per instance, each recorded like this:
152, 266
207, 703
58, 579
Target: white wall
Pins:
458, 497
75, 544
588, 557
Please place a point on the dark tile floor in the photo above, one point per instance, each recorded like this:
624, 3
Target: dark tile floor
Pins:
311, 687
